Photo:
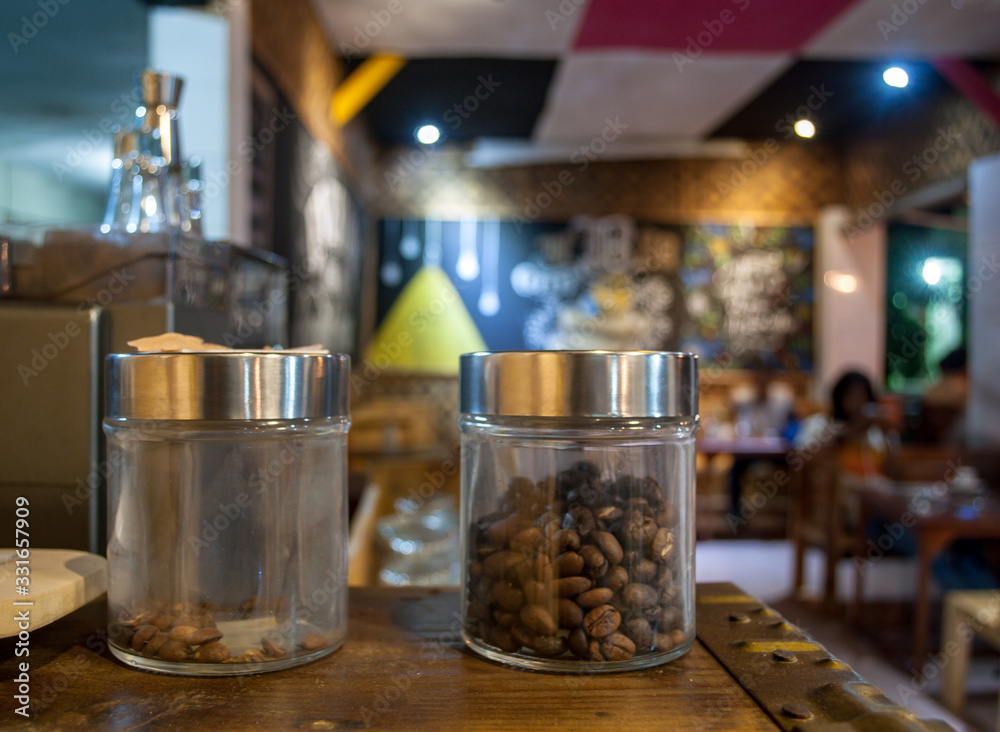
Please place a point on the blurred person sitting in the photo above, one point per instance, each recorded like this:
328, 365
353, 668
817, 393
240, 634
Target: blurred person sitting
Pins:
942, 406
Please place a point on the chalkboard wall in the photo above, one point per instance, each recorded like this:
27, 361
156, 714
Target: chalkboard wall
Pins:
739, 295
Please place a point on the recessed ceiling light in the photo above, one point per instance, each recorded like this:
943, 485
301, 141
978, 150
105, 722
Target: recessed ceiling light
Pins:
931, 271
895, 76
428, 134
840, 281
805, 128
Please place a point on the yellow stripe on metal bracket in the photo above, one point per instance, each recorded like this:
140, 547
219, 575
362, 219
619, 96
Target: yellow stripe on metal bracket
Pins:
364, 83
723, 599
771, 646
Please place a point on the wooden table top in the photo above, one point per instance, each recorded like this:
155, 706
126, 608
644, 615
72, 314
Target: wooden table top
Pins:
404, 666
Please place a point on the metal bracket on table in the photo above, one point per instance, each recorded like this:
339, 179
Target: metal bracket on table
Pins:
791, 676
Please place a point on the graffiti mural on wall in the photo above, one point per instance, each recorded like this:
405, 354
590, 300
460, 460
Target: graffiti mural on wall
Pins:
614, 283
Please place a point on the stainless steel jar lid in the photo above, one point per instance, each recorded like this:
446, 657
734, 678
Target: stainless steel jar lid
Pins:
255, 385
579, 383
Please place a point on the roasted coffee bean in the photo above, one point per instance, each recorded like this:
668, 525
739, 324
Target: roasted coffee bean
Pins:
509, 597
539, 619
569, 564
570, 614
504, 619
677, 636
538, 593
608, 545
142, 635
566, 540
601, 621
475, 570
663, 544
205, 635
663, 643
505, 529
154, 644
594, 651
596, 564
502, 639
616, 578
572, 586
526, 541
617, 647
501, 565
577, 642
270, 648
579, 519
640, 530
175, 651
164, 622
477, 610
216, 652
644, 571
670, 618
181, 632
552, 526
608, 514
549, 645
638, 596
313, 642
522, 634
640, 631
595, 597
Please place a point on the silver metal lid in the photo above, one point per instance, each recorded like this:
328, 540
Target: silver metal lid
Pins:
262, 385
579, 383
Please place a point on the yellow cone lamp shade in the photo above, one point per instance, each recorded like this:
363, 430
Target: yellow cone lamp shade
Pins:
427, 328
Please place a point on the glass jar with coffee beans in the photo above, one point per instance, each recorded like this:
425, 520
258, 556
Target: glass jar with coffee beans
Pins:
227, 509
577, 507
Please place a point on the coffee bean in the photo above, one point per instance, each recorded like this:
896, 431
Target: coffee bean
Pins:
616, 578
527, 540
677, 636
570, 614
477, 610
662, 643
164, 622
638, 596
663, 544
142, 635
670, 618
270, 648
503, 618
566, 540
608, 545
595, 597
640, 631
205, 635
313, 642
522, 634
538, 593
502, 639
617, 647
503, 530
174, 651
578, 642
569, 564
608, 514
181, 632
596, 564
539, 620
580, 519
572, 586
644, 571
509, 597
216, 652
549, 646
601, 621
501, 565
153, 645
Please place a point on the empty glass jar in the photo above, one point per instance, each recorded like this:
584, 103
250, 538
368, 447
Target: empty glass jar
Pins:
227, 509
577, 507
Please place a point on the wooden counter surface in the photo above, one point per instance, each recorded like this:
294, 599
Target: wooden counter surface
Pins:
404, 667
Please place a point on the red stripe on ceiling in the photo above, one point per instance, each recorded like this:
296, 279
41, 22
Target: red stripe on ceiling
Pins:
964, 77
706, 25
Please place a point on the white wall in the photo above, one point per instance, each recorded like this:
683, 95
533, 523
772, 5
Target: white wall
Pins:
983, 293
194, 45
849, 329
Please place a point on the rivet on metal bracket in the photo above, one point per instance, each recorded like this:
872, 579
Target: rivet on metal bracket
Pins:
739, 618
796, 711
784, 656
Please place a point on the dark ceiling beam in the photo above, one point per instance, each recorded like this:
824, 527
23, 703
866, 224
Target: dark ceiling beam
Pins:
970, 83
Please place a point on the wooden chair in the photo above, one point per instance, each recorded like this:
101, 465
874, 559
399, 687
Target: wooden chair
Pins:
820, 518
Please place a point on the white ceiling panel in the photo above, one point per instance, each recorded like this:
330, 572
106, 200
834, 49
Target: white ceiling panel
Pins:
912, 28
650, 93
414, 28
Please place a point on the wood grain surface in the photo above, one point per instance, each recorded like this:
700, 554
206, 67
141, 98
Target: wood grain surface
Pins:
404, 667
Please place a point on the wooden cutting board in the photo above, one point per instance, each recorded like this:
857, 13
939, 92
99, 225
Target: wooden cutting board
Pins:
61, 581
